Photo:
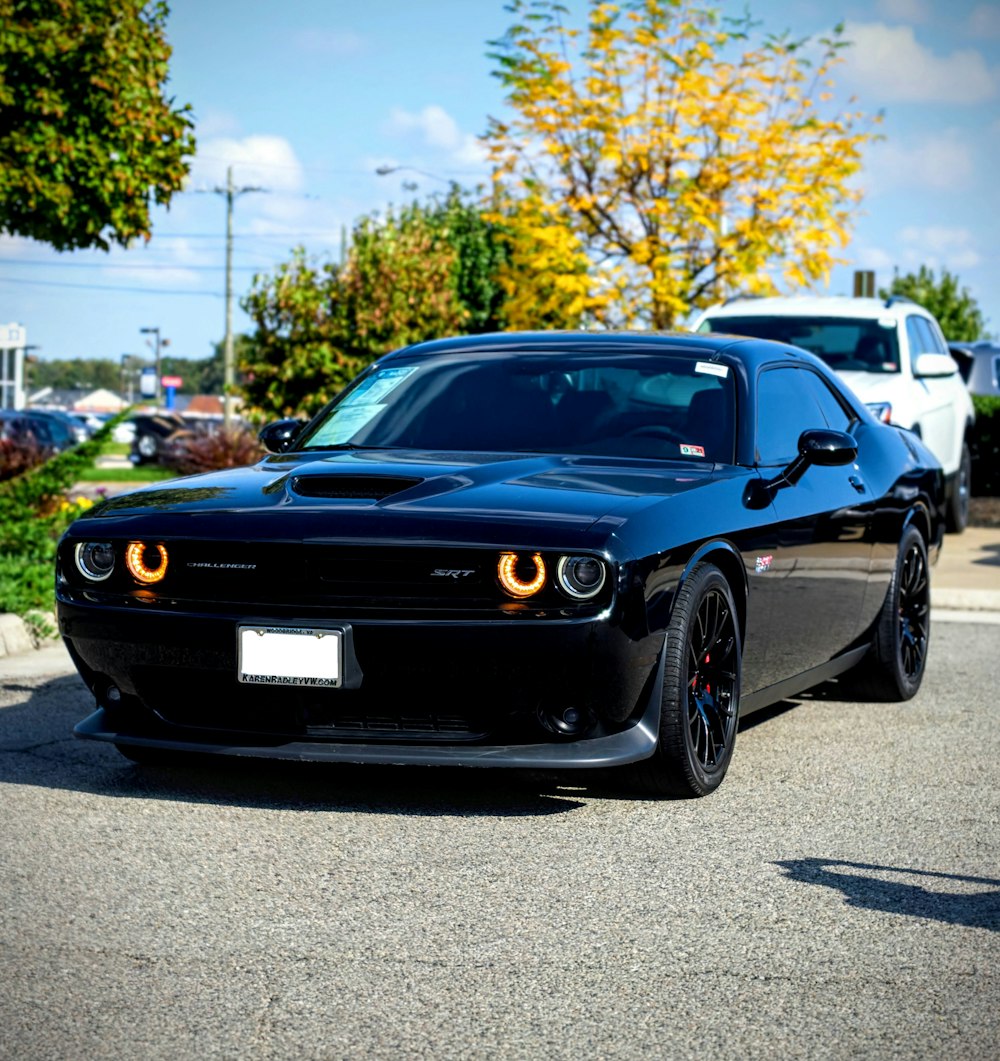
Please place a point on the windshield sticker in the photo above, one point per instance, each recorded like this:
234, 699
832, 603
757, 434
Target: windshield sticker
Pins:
710, 369
886, 322
692, 451
344, 423
378, 387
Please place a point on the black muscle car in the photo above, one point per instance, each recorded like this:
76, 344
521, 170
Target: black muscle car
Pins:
524, 550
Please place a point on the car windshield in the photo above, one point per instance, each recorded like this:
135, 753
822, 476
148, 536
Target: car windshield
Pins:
610, 404
845, 344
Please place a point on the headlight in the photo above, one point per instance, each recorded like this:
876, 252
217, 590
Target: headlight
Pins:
95, 560
580, 577
881, 411
146, 563
521, 577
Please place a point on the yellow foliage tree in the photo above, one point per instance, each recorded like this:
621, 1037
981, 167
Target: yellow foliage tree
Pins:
676, 162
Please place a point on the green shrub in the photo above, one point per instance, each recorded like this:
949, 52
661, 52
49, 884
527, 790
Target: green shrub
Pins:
34, 512
986, 447
211, 449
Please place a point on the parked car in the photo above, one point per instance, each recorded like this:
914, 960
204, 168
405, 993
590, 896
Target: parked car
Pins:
71, 426
153, 433
49, 432
891, 353
979, 364
520, 550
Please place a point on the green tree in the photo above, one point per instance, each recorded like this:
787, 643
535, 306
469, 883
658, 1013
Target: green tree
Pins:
955, 309
658, 160
88, 137
421, 272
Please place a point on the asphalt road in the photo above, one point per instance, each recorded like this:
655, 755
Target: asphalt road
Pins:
837, 898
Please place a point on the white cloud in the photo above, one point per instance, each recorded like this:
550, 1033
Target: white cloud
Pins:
437, 129
939, 245
263, 161
940, 162
891, 65
339, 43
984, 21
216, 123
914, 11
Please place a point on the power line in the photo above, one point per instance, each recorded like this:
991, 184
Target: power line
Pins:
124, 265
108, 287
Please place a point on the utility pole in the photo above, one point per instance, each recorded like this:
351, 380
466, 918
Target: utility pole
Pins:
230, 191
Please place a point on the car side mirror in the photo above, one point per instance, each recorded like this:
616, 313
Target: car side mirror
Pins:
930, 366
279, 436
817, 445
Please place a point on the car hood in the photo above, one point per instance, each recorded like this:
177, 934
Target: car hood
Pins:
403, 494
873, 386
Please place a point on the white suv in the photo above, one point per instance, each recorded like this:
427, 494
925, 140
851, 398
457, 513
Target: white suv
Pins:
893, 356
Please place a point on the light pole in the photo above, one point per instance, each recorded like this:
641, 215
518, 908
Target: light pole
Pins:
155, 332
384, 171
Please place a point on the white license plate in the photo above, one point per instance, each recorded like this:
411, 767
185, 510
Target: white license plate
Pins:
272, 655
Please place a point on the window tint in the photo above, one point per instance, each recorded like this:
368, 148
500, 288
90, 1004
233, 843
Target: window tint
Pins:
845, 344
921, 337
837, 417
787, 405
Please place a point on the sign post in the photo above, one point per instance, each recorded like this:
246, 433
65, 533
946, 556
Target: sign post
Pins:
170, 385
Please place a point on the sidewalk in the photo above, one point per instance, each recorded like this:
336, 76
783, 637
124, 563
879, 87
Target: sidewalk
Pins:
965, 587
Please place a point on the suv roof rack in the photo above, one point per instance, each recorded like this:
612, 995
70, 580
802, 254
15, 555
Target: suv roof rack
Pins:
893, 299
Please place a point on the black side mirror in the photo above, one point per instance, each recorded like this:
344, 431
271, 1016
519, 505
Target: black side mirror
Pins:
279, 436
818, 445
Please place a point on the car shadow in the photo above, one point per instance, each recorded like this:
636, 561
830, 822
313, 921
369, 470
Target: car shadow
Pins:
951, 898
37, 748
992, 559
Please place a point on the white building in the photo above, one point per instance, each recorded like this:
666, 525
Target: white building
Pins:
13, 339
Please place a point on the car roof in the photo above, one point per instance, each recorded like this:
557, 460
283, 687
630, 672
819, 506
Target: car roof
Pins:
817, 306
706, 346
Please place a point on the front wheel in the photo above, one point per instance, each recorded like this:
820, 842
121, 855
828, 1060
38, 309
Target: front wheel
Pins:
701, 691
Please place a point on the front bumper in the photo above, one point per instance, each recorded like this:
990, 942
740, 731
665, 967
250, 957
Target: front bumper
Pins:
168, 680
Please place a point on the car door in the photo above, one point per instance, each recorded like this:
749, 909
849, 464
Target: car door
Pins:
808, 592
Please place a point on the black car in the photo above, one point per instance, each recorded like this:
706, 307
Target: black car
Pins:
522, 550
155, 434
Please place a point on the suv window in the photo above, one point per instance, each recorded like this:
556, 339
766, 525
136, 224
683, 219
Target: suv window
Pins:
921, 337
859, 345
788, 403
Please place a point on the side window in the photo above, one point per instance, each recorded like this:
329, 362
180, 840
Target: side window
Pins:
837, 417
786, 406
921, 336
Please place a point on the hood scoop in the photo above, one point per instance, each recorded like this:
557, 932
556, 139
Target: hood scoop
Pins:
358, 487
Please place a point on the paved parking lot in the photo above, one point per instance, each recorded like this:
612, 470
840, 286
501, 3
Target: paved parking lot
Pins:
839, 897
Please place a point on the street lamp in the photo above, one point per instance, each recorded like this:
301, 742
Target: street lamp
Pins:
385, 170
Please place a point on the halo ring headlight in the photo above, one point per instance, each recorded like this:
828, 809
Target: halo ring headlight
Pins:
517, 577
95, 560
580, 577
146, 563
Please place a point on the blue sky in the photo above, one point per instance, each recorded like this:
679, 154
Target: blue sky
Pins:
309, 97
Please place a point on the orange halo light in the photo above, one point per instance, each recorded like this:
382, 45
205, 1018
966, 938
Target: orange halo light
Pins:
512, 582
138, 557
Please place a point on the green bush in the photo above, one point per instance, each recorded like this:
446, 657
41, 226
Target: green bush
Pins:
34, 512
986, 447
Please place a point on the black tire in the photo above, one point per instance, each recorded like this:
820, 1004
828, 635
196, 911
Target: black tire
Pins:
147, 447
961, 490
894, 668
701, 691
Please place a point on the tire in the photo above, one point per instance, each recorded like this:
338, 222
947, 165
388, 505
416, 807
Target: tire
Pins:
701, 691
894, 668
958, 502
147, 446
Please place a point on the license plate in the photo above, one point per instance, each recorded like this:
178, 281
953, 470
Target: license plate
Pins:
284, 655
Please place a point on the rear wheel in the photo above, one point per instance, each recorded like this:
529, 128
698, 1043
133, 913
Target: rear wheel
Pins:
895, 667
958, 503
701, 691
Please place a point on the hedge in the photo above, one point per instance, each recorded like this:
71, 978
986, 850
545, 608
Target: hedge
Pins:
986, 447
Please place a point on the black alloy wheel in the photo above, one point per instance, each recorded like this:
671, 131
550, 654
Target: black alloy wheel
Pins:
895, 666
701, 690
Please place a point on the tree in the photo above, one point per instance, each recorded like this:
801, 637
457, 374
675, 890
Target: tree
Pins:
956, 310
685, 163
87, 135
423, 271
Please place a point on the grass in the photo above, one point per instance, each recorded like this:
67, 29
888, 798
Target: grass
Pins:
143, 474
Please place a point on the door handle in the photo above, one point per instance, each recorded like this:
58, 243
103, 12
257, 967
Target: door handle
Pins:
856, 482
